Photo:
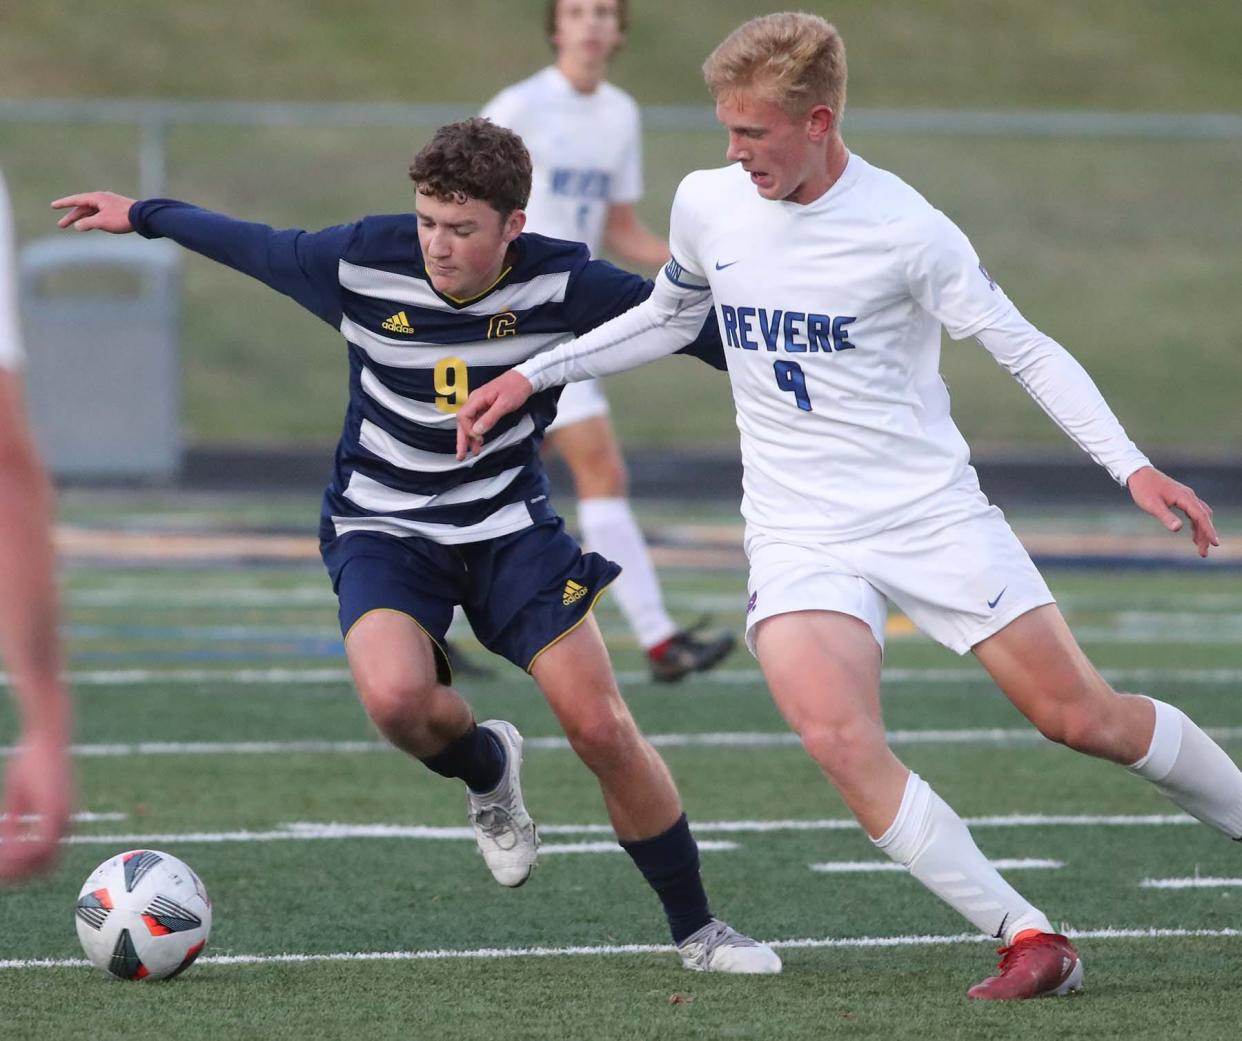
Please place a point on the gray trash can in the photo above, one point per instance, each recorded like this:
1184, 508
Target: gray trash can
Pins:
102, 372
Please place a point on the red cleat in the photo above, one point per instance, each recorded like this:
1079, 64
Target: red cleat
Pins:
1037, 965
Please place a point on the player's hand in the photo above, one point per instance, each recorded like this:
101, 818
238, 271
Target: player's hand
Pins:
487, 406
1159, 495
106, 211
38, 787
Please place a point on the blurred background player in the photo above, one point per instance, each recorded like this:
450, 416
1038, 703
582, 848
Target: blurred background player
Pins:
585, 141
39, 779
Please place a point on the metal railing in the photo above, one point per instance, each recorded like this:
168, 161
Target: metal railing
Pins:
154, 118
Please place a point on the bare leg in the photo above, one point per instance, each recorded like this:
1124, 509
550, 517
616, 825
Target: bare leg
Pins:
395, 672
824, 672
1036, 661
576, 677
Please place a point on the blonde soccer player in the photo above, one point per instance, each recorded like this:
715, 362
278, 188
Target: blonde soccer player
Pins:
831, 280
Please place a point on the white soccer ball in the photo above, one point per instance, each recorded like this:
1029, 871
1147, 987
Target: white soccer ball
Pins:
143, 915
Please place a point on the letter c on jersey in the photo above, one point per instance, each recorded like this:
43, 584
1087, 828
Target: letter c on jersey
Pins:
503, 324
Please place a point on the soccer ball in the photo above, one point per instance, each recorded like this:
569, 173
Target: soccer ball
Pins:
143, 915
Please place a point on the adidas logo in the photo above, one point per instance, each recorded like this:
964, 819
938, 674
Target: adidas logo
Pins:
573, 593
398, 323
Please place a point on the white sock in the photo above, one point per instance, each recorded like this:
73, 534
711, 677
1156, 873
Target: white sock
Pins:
609, 528
929, 839
1190, 768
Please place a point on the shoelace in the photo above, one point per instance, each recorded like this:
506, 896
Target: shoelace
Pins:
718, 932
495, 822
1013, 954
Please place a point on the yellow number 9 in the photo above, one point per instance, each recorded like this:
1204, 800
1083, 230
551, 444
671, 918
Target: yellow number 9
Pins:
452, 384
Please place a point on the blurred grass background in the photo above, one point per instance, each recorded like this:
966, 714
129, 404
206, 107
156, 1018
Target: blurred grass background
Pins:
1123, 249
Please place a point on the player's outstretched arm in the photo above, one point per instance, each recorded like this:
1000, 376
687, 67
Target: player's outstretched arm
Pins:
486, 406
105, 211
1159, 495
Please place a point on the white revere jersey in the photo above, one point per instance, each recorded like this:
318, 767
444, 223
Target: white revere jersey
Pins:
830, 315
586, 150
10, 330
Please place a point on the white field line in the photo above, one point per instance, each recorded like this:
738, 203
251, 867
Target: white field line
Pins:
307, 832
710, 846
494, 953
841, 867
724, 677
1198, 882
736, 739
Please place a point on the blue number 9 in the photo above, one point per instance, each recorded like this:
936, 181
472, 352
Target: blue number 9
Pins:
789, 378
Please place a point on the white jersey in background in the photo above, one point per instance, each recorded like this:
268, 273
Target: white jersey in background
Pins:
586, 150
830, 314
10, 328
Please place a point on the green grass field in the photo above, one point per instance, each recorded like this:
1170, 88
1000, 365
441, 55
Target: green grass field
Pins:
1121, 249
230, 657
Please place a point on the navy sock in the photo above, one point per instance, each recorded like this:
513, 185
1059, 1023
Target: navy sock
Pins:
670, 864
477, 757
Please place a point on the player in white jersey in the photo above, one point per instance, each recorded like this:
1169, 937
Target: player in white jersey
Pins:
38, 783
831, 281
585, 142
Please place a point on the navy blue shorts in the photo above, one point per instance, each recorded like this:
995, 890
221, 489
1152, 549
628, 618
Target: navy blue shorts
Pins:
521, 592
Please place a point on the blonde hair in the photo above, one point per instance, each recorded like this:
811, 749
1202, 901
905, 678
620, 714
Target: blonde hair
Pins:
795, 60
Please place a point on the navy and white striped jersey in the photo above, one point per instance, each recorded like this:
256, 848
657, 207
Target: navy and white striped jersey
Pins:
414, 354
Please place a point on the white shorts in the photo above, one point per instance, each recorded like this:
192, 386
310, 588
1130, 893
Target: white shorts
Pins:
579, 401
960, 574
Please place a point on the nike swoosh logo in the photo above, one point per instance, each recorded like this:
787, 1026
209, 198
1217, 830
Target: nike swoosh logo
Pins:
721, 267
993, 603
1000, 932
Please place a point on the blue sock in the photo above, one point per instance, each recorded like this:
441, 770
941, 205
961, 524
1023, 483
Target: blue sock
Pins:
477, 757
670, 864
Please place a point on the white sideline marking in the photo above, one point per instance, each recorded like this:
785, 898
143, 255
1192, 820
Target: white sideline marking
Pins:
1204, 882
635, 948
856, 866
612, 847
721, 677
736, 739
307, 831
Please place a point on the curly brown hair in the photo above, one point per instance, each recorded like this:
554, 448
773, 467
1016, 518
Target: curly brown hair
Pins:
475, 159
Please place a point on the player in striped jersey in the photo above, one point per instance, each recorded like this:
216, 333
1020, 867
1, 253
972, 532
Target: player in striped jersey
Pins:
832, 280
429, 304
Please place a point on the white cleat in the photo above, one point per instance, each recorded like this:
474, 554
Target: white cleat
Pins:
718, 947
503, 829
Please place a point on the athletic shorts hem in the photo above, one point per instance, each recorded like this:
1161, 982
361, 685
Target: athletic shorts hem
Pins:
994, 625
752, 623
585, 615
444, 669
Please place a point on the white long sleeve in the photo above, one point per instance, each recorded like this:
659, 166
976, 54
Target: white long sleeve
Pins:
1063, 389
663, 323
